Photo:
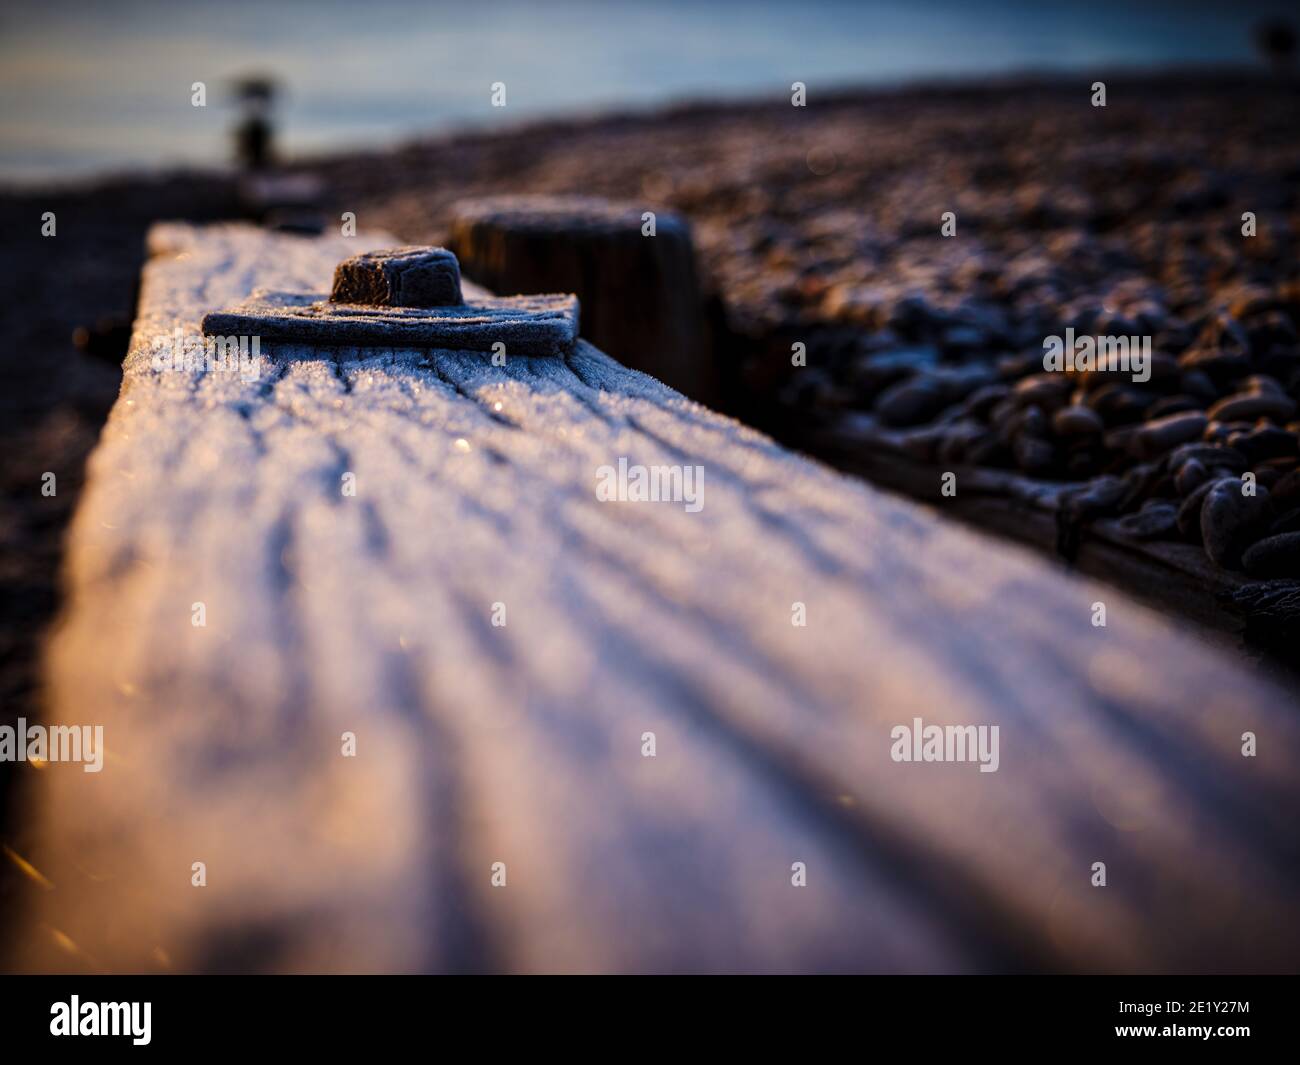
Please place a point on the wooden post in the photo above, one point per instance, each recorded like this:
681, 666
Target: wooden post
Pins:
632, 269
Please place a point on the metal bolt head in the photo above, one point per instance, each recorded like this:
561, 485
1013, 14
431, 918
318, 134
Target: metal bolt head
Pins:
399, 277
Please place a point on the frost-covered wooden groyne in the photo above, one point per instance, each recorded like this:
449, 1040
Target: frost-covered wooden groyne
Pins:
366, 644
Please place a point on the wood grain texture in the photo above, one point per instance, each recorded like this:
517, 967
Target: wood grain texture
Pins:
522, 744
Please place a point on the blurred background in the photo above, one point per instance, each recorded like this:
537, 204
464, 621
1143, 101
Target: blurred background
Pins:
87, 88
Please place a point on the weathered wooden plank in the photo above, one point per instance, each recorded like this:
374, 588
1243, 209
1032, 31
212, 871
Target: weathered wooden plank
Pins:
372, 614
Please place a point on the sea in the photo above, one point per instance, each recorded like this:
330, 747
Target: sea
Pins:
93, 88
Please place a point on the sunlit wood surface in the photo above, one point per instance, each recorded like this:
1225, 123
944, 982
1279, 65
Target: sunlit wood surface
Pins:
522, 743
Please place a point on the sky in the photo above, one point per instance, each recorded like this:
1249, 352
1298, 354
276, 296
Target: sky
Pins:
89, 87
